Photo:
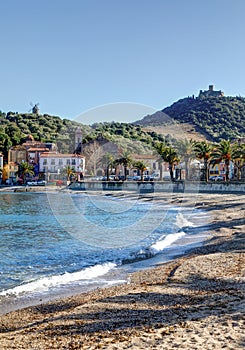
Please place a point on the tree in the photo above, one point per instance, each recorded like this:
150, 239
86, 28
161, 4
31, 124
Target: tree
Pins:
25, 169
141, 166
126, 161
223, 152
203, 151
169, 155
159, 147
108, 161
185, 150
68, 171
238, 157
93, 152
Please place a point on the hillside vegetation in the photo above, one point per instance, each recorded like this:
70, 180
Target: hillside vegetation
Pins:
15, 127
215, 117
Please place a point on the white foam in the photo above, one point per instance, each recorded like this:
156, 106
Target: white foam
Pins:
181, 221
166, 241
43, 284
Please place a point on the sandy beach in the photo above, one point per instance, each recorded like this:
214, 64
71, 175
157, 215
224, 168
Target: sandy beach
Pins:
194, 302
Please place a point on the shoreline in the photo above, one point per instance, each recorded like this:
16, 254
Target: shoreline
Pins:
187, 298
119, 274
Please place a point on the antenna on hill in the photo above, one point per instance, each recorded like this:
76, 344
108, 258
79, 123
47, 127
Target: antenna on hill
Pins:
34, 108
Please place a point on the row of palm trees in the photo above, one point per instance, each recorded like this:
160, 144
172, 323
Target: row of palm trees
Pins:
125, 160
181, 151
184, 151
209, 153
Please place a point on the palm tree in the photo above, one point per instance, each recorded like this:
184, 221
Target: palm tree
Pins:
238, 157
203, 151
141, 166
170, 156
223, 152
24, 170
159, 148
68, 171
108, 161
125, 160
185, 150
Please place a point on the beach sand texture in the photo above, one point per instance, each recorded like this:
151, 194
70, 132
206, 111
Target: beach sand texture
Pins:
194, 302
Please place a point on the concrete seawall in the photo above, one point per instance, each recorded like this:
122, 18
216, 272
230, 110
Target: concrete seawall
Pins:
150, 187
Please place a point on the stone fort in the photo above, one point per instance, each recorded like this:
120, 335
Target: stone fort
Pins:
211, 92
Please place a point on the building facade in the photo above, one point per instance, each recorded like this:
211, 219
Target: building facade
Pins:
211, 92
53, 165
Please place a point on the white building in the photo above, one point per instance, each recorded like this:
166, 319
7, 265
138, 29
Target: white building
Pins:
53, 164
1, 160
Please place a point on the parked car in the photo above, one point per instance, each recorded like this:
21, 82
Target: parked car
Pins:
36, 183
216, 178
31, 183
41, 182
154, 177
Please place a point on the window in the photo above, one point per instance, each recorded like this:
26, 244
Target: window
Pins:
60, 162
52, 161
68, 162
73, 161
44, 161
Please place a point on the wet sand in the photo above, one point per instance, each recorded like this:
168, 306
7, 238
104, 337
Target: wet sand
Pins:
194, 302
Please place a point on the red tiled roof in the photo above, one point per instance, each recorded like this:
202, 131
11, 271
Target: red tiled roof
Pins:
37, 149
60, 155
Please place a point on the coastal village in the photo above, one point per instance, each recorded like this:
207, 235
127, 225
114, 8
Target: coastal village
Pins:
49, 166
122, 175
42, 163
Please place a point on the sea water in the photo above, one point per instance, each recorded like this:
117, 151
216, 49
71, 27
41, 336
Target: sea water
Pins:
54, 244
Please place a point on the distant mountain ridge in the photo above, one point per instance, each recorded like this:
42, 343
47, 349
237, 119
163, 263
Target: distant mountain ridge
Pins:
217, 117
210, 116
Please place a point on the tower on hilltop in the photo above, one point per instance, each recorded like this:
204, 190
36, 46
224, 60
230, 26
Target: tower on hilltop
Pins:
211, 92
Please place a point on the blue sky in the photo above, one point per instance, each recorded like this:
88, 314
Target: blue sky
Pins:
75, 55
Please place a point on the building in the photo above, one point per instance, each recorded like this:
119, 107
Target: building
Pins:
211, 92
53, 165
153, 165
17, 154
78, 139
1, 161
219, 169
29, 152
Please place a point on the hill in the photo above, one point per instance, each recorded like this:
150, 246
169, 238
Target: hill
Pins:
15, 127
209, 117
215, 118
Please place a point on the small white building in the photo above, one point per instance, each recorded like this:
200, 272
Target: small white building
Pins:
1, 160
53, 164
